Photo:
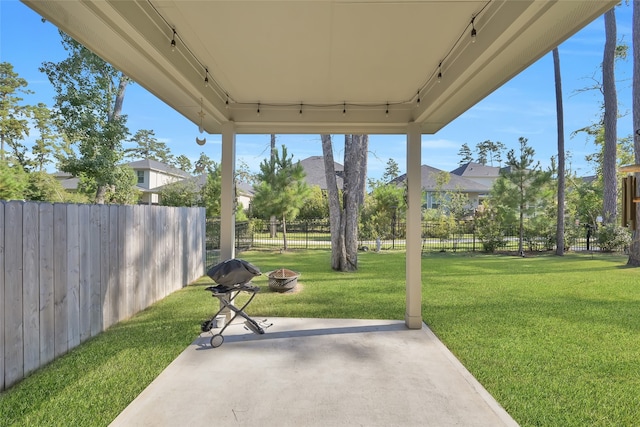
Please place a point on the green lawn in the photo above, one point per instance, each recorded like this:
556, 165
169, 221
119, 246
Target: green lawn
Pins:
555, 340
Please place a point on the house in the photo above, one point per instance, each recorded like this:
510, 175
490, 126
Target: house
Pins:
429, 184
151, 175
483, 174
314, 168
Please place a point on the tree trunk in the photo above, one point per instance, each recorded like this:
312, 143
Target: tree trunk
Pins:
103, 187
273, 223
561, 157
352, 191
610, 120
284, 233
634, 249
338, 257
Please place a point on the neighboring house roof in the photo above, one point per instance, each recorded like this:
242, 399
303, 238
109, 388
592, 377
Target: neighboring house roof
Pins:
477, 170
456, 183
154, 165
314, 168
243, 188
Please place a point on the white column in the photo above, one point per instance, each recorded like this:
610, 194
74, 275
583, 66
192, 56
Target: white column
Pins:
413, 314
227, 196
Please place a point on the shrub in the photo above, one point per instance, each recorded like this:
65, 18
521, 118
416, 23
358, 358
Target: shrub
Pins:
612, 237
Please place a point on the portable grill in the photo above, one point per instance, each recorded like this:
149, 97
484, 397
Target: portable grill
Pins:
232, 277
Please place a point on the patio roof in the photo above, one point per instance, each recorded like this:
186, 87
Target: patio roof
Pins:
325, 66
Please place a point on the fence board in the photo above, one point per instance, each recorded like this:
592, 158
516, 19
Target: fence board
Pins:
122, 295
2, 321
47, 302
138, 276
144, 259
95, 268
60, 310
31, 288
105, 264
73, 276
84, 276
13, 338
128, 252
114, 265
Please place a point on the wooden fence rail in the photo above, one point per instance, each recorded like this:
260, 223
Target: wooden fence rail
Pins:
68, 272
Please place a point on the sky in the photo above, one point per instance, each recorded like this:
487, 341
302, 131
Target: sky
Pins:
523, 107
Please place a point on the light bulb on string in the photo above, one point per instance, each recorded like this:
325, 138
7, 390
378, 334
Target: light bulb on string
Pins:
173, 41
474, 33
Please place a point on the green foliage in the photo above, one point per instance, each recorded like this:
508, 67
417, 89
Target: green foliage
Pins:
180, 193
89, 97
13, 182
611, 237
149, 148
383, 207
183, 163
520, 186
45, 188
211, 192
282, 190
490, 228
13, 116
316, 206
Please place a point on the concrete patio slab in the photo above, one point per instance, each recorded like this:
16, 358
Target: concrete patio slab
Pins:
316, 372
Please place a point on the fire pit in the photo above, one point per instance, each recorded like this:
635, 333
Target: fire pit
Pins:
283, 280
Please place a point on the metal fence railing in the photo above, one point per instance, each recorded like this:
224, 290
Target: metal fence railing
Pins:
436, 237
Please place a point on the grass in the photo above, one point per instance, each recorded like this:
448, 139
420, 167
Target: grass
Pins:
555, 340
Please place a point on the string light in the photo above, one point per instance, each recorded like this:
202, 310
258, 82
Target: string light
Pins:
387, 112
473, 30
176, 37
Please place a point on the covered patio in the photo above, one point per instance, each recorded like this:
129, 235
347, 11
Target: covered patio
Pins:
326, 66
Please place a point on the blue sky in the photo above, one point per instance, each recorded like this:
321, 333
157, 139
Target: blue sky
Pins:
524, 106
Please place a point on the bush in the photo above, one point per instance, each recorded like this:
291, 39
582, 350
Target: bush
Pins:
611, 237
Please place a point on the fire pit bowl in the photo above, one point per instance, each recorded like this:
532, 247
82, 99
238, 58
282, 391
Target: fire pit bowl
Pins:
283, 280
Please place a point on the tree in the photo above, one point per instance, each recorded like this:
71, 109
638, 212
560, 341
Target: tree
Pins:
561, 156
634, 249
13, 182
336, 225
13, 116
391, 171
610, 118
519, 185
490, 151
212, 190
465, 153
89, 99
180, 193
282, 189
204, 163
343, 217
183, 163
44, 148
316, 206
149, 148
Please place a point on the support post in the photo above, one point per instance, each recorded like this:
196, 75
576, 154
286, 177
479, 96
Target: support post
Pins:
413, 314
227, 196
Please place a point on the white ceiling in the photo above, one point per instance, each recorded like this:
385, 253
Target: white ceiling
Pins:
321, 56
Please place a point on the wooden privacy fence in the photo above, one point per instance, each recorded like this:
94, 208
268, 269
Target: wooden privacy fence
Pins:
68, 272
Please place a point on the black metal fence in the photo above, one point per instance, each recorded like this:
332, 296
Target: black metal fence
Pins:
436, 237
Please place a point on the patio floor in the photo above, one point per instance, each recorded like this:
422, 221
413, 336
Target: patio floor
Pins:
317, 372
